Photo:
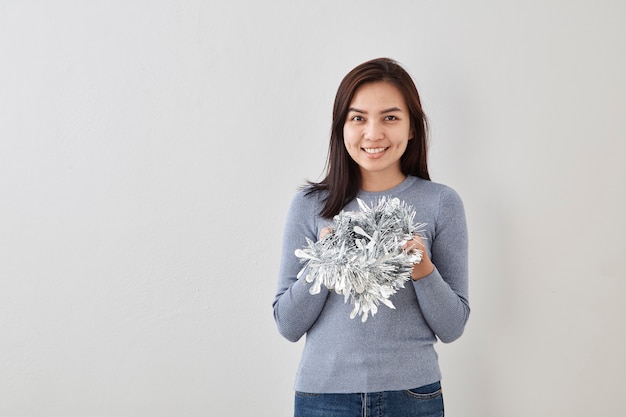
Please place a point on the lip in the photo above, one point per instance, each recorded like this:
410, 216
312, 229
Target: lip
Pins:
377, 152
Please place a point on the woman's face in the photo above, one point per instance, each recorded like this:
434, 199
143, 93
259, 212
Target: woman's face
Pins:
377, 130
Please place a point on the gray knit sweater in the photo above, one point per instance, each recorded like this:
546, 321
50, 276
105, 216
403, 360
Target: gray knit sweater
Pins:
393, 349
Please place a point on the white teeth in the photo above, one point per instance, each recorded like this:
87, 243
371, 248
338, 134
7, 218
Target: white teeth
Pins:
374, 150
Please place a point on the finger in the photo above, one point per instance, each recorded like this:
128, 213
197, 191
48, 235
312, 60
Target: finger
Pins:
418, 241
415, 243
325, 231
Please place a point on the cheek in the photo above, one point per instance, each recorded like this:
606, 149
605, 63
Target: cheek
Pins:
346, 133
349, 138
350, 147
405, 145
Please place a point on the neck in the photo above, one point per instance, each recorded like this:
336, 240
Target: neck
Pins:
376, 183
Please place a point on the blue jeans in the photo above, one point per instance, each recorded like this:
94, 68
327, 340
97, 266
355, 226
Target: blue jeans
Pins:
426, 401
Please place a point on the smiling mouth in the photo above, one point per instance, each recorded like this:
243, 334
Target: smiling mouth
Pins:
374, 150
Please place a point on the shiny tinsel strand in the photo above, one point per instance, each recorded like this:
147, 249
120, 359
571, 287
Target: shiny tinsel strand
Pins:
363, 259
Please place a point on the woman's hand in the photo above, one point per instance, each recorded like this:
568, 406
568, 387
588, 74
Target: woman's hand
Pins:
325, 231
425, 267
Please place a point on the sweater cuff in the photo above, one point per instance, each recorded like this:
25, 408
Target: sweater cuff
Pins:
432, 282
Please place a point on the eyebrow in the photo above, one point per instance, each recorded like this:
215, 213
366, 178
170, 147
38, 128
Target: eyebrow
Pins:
389, 110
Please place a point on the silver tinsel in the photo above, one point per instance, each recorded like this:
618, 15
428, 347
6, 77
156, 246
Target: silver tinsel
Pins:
363, 257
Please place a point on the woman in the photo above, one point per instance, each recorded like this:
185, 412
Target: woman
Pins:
387, 365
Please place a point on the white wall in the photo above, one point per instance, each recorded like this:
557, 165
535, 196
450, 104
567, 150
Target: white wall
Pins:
149, 149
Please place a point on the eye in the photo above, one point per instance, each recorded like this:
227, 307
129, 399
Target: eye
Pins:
391, 118
357, 118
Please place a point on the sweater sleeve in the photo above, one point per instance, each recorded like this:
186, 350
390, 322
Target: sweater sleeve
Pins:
443, 295
295, 310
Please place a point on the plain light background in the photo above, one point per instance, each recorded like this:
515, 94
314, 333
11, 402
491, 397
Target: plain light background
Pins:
149, 151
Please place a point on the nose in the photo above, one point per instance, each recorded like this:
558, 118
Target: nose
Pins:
373, 131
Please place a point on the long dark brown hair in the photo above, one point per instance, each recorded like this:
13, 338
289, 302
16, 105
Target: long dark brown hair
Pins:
343, 177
